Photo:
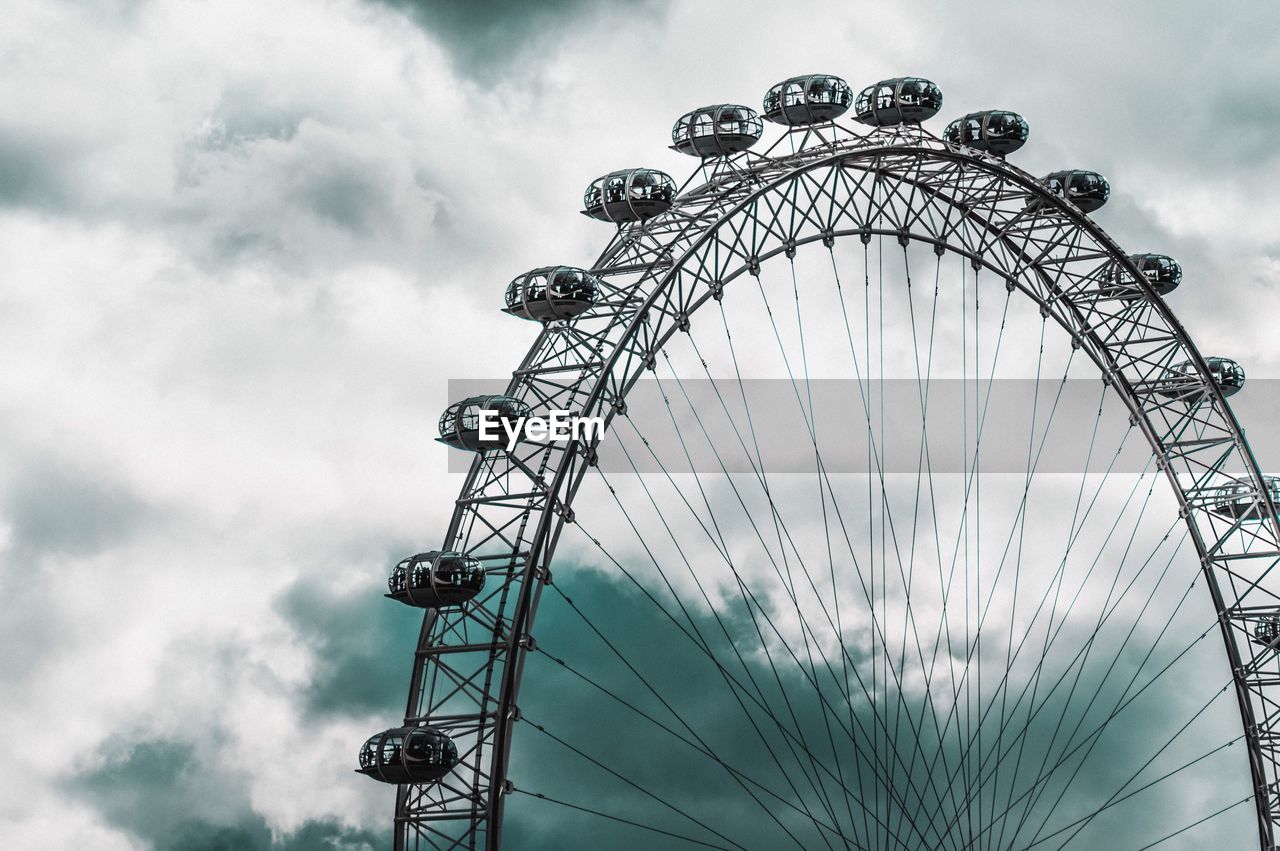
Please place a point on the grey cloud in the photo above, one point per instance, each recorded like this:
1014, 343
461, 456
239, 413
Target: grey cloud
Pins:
256, 181
286, 176
295, 177
36, 170
362, 645
110, 12
159, 792
288, 188
344, 197
1243, 120
484, 36
249, 111
57, 509
1184, 86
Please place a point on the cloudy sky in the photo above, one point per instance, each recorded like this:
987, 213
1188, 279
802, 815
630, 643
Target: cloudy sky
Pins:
244, 245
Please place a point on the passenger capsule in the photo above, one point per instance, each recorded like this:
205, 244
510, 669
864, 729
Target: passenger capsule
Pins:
1267, 630
995, 131
814, 99
1162, 273
902, 100
1183, 380
1088, 190
717, 131
460, 423
408, 755
629, 196
436, 579
1241, 502
552, 293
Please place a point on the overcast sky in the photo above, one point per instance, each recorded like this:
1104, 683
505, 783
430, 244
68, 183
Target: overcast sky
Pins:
243, 246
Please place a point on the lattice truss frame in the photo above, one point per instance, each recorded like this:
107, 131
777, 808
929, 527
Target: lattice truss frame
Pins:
734, 214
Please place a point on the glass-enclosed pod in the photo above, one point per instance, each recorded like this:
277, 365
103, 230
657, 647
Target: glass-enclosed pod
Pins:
995, 131
1241, 502
902, 100
1088, 190
717, 131
552, 293
482, 422
1162, 272
1182, 381
629, 196
436, 579
1266, 631
408, 755
814, 99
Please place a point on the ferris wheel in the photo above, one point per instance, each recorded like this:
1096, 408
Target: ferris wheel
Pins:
918, 520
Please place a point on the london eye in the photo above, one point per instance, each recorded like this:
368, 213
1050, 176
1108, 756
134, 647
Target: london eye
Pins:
923, 521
